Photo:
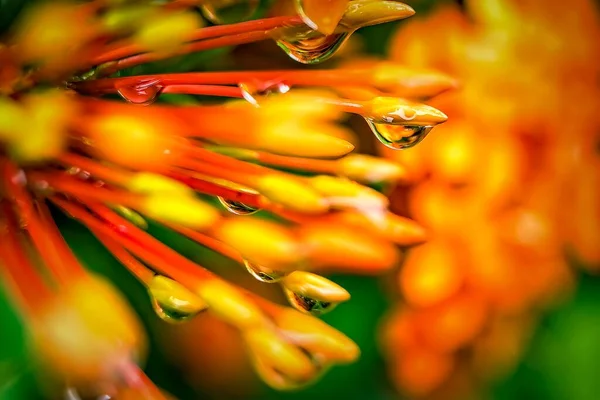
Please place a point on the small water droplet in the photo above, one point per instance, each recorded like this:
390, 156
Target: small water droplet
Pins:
71, 394
263, 274
308, 304
223, 12
399, 137
143, 93
308, 46
254, 92
131, 216
236, 207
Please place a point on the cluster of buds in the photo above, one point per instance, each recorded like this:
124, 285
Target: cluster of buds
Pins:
509, 189
67, 143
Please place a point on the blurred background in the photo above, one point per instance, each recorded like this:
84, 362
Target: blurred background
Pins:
503, 302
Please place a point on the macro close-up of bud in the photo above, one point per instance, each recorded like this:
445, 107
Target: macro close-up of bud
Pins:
292, 199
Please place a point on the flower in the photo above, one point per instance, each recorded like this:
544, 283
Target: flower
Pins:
505, 188
67, 144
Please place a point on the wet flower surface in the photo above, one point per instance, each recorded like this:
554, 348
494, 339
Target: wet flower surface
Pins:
83, 133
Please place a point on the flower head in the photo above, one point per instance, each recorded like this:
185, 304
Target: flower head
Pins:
113, 164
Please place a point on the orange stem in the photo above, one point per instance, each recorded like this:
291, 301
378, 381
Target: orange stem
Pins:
310, 77
122, 50
209, 242
221, 160
201, 45
204, 90
45, 236
29, 289
298, 163
161, 257
217, 171
99, 171
199, 185
139, 270
84, 190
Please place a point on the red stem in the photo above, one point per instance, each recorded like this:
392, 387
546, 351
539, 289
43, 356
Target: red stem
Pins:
152, 251
121, 50
225, 41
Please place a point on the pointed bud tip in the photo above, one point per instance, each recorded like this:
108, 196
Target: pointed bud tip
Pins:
315, 287
361, 13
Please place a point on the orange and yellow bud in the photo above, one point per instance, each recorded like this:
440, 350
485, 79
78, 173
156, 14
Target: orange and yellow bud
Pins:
326, 344
181, 210
86, 332
281, 364
228, 303
291, 193
262, 242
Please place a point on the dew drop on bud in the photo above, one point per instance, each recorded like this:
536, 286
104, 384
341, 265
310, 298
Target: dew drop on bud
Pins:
171, 315
308, 304
173, 302
255, 92
399, 137
144, 93
222, 12
130, 215
236, 207
308, 46
263, 274
71, 394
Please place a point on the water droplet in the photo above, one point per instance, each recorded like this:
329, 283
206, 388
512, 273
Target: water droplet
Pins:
171, 315
222, 12
173, 302
263, 274
143, 93
398, 137
308, 304
71, 394
308, 46
131, 216
236, 207
254, 92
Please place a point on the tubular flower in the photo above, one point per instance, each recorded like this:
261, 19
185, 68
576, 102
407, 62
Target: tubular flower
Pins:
83, 133
506, 188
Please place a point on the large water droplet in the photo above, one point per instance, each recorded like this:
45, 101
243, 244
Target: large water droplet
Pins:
171, 315
143, 93
236, 207
308, 46
263, 274
398, 137
254, 92
222, 12
308, 304
173, 302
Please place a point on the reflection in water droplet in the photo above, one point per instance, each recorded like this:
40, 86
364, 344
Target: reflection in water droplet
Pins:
254, 92
144, 93
172, 315
399, 137
308, 304
173, 302
308, 46
263, 274
229, 11
71, 394
235, 207
130, 215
